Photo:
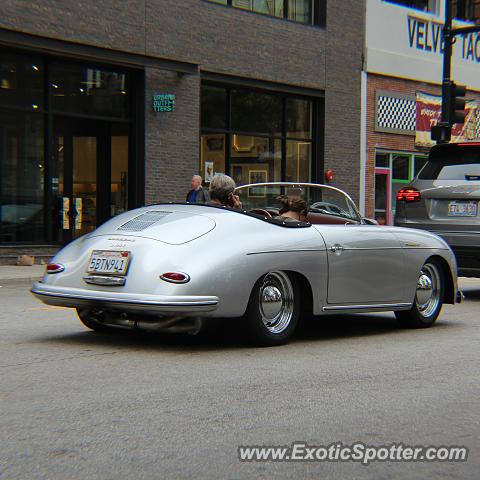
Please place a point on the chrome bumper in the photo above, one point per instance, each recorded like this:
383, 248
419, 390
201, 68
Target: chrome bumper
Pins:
125, 302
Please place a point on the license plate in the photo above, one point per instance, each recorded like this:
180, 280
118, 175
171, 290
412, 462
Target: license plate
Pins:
110, 262
462, 209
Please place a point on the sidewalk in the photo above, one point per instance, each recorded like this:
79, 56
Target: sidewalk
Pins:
12, 274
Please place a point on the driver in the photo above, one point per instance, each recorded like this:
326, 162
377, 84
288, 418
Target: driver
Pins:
222, 192
292, 209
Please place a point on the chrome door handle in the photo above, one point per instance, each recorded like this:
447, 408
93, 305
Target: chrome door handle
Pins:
337, 248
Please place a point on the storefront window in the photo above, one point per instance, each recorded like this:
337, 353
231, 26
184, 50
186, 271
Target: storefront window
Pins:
401, 168
212, 148
21, 81
89, 91
298, 161
214, 107
392, 171
255, 159
256, 112
298, 118
22, 170
54, 192
267, 136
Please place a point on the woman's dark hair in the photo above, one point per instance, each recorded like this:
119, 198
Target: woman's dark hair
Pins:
293, 204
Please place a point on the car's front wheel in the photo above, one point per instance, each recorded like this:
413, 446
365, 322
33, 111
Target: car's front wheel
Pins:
428, 297
273, 309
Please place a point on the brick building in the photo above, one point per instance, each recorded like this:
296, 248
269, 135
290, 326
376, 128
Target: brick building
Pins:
401, 88
105, 106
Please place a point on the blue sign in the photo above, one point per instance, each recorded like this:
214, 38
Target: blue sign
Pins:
163, 102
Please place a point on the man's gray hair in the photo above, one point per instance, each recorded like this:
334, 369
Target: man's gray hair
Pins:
220, 187
198, 177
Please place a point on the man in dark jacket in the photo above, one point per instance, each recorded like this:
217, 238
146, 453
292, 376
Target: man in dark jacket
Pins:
197, 194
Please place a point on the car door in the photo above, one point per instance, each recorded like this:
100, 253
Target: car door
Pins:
365, 264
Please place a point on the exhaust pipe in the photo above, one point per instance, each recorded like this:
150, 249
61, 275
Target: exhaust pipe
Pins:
190, 325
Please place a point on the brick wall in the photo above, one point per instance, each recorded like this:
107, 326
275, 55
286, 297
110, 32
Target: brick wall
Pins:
222, 40
172, 139
389, 141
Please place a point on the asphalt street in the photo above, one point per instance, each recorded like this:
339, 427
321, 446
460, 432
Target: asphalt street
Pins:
81, 405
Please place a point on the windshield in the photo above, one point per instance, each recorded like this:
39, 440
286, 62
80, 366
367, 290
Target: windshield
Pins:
457, 165
319, 199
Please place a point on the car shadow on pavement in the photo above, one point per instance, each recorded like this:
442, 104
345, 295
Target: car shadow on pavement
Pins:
222, 336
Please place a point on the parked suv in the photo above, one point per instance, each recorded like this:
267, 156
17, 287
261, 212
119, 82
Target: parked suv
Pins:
445, 199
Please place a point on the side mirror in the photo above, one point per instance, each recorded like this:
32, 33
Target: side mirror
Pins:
370, 221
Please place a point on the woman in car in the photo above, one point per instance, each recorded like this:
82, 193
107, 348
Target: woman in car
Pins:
292, 209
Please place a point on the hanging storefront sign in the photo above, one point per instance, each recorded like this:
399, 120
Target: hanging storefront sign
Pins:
428, 112
163, 102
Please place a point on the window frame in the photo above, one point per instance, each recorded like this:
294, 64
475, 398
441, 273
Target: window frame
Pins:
319, 14
229, 131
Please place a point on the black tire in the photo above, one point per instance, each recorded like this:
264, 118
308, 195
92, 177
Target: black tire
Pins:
273, 310
90, 319
428, 299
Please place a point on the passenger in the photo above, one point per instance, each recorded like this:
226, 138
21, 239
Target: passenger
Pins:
292, 209
222, 192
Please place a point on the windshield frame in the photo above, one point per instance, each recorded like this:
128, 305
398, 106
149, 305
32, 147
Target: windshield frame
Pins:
306, 184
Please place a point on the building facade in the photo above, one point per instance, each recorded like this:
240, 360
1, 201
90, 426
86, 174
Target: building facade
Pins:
402, 91
105, 106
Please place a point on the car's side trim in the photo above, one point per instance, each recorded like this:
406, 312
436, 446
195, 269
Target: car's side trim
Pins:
382, 306
288, 251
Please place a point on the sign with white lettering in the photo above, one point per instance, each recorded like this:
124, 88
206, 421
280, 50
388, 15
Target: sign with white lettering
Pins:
163, 102
407, 43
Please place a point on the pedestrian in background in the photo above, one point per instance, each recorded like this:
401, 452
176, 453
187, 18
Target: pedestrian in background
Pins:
197, 194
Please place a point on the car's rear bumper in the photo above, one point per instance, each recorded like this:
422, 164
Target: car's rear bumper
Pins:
125, 302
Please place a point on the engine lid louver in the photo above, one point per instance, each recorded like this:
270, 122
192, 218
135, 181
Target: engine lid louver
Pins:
143, 221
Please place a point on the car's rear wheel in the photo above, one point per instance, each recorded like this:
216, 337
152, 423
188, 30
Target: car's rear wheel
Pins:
428, 297
91, 319
273, 309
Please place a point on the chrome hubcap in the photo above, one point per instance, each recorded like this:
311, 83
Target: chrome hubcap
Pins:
276, 300
427, 297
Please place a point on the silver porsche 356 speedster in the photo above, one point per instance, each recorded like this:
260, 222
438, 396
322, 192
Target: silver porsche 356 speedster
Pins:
170, 267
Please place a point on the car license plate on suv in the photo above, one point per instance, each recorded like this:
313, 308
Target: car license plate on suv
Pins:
109, 262
462, 209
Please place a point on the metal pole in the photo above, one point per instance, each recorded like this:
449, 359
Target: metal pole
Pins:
447, 58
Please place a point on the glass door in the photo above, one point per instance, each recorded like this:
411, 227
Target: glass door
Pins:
382, 196
77, 179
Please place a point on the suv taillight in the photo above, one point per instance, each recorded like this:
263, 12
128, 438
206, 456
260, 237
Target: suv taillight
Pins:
409, 194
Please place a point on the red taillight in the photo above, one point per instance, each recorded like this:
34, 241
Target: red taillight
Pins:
409, 194
55, 268
175, 277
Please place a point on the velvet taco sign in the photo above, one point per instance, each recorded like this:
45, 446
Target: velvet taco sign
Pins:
428, 113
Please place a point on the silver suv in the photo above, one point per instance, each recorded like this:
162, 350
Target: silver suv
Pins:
445, 199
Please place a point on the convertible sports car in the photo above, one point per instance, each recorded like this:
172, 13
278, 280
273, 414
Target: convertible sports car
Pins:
170, 267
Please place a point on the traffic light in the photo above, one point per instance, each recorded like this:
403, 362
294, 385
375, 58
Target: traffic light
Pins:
456, 110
